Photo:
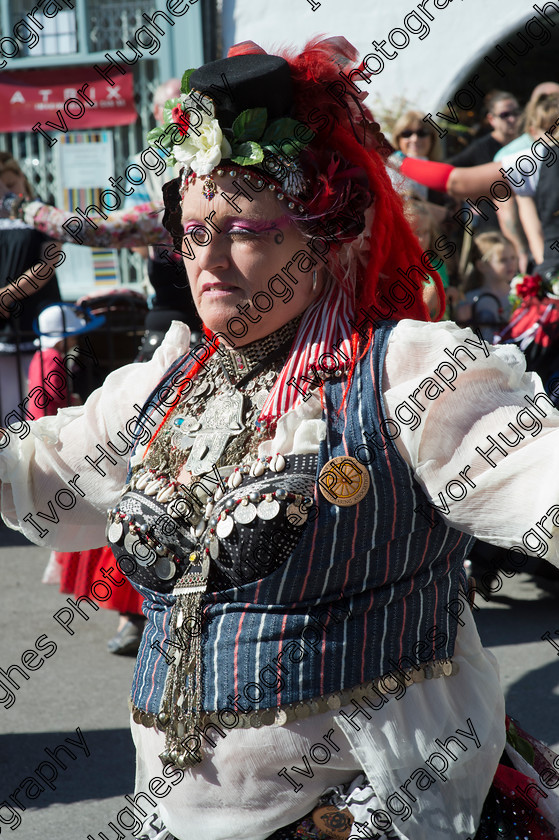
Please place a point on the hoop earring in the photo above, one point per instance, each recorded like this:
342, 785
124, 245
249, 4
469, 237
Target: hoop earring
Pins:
314, 280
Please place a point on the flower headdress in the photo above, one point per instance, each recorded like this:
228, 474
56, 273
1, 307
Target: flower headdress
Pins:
252, 140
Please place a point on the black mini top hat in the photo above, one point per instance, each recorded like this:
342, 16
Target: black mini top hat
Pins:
246, 81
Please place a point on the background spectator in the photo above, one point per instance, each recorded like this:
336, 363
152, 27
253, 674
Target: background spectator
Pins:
502, 113
416, 139
27, 281
58, 327
172, 299
493, 264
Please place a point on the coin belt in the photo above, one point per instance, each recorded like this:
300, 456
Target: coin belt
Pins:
281, 715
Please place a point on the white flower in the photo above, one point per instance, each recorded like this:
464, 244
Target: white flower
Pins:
203, 148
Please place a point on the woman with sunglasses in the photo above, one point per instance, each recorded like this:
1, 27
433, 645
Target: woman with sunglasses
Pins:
416, 139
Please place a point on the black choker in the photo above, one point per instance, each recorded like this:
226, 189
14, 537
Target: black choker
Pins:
242, 363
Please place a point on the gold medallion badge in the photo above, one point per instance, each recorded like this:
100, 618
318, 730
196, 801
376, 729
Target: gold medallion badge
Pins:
344, 481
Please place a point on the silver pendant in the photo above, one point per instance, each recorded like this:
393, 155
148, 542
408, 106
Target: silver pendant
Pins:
224, 527
181, 442
114, 532
268, 508
164, 569
214, 548
245, 513
221, 420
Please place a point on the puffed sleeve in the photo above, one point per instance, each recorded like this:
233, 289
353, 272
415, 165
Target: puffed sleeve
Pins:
60, 474
140, 225
479, 433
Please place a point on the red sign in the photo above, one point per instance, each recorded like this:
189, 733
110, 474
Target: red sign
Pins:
68, 99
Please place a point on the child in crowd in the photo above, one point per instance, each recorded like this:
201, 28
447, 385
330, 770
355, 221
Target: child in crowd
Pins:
57, 327
492, 266
424, 224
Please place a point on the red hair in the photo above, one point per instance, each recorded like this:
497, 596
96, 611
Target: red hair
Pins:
323, 80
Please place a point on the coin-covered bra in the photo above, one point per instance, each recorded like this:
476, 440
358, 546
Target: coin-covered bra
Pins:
222, 524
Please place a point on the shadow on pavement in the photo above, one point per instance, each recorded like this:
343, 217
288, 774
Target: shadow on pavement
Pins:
107, 772
9, 537
524, 622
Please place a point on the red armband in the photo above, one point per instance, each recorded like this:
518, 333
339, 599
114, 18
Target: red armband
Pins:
428, 172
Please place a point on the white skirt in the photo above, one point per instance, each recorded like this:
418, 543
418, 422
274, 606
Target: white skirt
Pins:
256, 780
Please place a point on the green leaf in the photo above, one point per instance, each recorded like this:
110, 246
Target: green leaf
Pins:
284, 129
158, 134
250, 124
154, 133
247, 154
167, 109
288, 150
521, 746
185, 81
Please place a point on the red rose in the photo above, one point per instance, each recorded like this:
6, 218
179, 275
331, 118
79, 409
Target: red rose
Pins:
530, 286
180, 119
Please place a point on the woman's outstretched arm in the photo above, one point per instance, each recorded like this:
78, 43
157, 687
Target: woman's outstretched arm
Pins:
459, 182
140, 225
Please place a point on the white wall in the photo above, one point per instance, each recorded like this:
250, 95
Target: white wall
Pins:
424, 72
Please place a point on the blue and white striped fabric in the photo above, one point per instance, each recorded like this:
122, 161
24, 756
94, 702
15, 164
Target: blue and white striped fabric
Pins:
365, 589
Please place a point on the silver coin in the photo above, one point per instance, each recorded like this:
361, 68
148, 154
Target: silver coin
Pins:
205, 566
334, 702
214, 548
268, 717
281, 717
260, 398
224, 527
268, 510
314, 708
144, 554
200, 389
114, 532
245, 513
302, 711
296, 515
164, 569
130, 540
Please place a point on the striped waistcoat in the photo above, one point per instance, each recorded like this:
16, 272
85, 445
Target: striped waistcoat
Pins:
365, 589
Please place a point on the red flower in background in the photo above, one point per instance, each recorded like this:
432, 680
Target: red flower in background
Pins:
530, 286
180, 119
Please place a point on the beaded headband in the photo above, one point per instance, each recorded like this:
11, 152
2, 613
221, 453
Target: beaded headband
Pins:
256, 181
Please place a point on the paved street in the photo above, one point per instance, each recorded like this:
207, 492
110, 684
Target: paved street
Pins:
81, 686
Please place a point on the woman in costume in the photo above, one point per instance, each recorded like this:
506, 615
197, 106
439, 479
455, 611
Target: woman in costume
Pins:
309, 641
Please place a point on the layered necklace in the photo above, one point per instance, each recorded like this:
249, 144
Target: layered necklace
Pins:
216, 424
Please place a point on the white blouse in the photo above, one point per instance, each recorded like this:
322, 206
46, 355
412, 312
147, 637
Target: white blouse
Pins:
445, 394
